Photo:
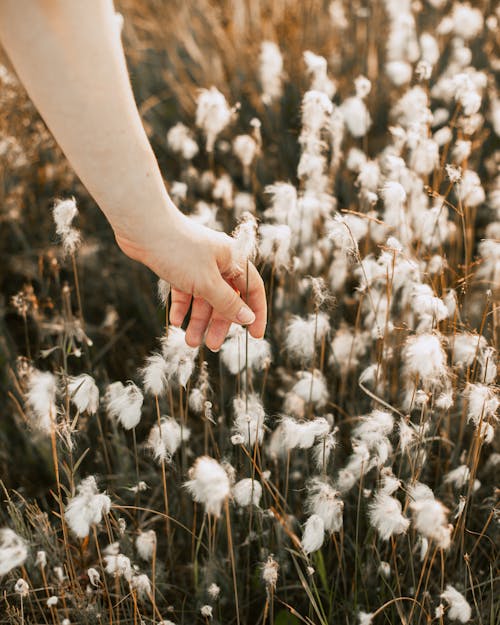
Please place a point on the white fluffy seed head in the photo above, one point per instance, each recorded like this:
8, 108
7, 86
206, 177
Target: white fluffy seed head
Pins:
145, 544
64, 212
311, 387
212, 114
275, 244
180, 140
13, 551
458, 606
430, 520
270, 71
86, 508
270, 570
249, 419
246, 492
324, 501
94, 577
165, 439
124, 403
314, 534
303, 335
179, 357
245, 240
22, 588
84, 393
41, 399
209, 484
424, 356
302, 434
245, 148
482, 402
239, 351
118, 565
154, 374
356, 115
386, 517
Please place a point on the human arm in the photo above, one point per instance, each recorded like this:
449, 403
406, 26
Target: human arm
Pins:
69, 57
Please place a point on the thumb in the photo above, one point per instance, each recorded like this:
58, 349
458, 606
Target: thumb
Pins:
226, 301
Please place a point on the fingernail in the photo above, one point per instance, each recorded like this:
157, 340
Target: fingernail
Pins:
245, 316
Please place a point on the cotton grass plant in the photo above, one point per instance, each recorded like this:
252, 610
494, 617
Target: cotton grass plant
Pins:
344, 468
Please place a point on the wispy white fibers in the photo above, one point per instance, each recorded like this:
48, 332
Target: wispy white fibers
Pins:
249, 420
179, 357
275, 244
212, 114
302, 434
317, 68
124, 403
311, 387
86, 508
372, 432
386, 517
270, 71
142, 585
466, 347
314, 534
84, 393
223, 192
470, 190
323, 448
244, 241
246, 148
208, 484
324, 501
482, 405
181, 141
154, 374
165, 439
246, 492
303, 335
163, 291
459, 477
458, 606
118, 565
41, 399
424, 358
64, 212
356, 115
145, 544
201, 391
430, 516
235, 355
21, 587
345, 231
270, 570
348, 346
13, 550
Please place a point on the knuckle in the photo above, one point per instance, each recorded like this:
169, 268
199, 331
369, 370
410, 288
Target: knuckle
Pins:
206, 286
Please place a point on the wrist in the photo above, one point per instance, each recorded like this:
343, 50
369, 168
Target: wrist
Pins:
141, 230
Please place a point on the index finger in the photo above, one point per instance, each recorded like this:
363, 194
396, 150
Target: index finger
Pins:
254, 294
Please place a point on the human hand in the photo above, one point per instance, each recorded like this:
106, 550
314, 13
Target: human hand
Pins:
198, 263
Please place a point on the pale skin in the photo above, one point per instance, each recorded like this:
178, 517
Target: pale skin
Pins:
69, 56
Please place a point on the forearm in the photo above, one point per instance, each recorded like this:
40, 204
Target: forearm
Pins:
69, 56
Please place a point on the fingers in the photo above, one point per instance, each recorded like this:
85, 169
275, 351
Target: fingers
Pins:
225, 300
217, 332
201, 312
255, 296
179, 307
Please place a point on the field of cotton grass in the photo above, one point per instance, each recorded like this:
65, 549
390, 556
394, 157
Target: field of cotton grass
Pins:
345, 468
